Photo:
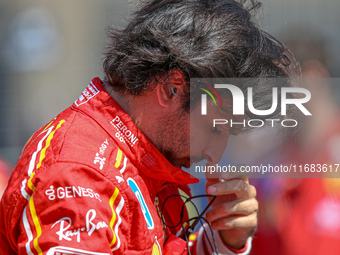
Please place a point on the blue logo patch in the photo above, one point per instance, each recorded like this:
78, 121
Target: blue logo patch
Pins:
145, 210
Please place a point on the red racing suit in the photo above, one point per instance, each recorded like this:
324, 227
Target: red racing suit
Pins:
90, 182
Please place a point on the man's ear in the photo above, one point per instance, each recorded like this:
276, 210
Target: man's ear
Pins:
169, 85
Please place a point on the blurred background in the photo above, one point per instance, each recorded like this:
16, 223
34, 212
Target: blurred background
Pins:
50, 50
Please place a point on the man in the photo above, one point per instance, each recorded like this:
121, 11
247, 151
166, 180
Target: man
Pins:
100, 177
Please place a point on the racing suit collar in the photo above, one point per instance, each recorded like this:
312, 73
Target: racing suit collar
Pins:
154, 168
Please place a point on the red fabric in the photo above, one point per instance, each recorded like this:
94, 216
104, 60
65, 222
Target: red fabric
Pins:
68, 193
175, 246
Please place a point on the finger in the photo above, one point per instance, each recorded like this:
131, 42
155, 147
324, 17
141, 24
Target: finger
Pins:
234, 208
224, 199
239, 187
211, 182
227, 176
235, 222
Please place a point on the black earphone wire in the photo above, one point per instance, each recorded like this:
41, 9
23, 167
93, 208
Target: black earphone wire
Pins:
186, 232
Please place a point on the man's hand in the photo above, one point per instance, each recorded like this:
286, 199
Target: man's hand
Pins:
234, 211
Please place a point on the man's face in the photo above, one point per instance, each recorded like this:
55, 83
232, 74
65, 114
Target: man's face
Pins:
189, 137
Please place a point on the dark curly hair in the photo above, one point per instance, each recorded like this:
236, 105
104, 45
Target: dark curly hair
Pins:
201, 38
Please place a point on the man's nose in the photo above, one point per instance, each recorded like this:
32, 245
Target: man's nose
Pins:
214, 152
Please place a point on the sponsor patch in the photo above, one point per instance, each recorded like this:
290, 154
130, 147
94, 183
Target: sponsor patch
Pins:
100, 161
68, 233
89, 92
133, 185
123, 133
70, 192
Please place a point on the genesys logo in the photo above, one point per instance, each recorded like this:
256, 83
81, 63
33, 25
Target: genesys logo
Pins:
66, 192
280, 97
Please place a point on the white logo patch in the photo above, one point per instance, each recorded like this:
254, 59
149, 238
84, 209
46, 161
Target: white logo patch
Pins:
70, 192
66, 233
98, 158
123, 133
